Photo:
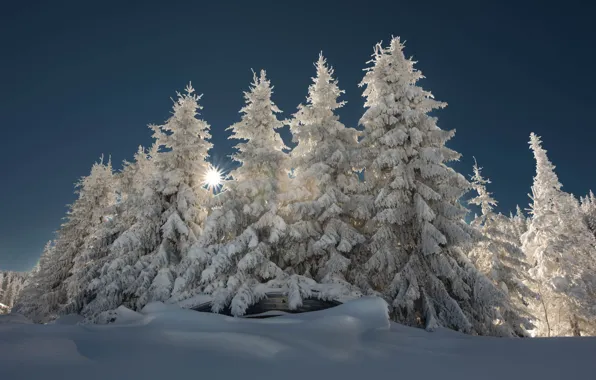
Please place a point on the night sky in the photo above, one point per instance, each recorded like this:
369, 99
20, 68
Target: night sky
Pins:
80, 80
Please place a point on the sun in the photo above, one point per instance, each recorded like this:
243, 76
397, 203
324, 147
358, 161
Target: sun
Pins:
213, 178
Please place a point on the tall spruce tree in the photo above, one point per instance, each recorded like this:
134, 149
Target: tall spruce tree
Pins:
239, 238
320, 238
180, 167
417, 226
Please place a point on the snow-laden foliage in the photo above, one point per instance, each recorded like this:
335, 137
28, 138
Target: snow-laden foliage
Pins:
63, 265
588, 207
339, 217
239, 237
137, 221
519, 224
93, 254
320, 235
496, 252
34, 300
417, 227
11, 284
561, 249
175, 195
58, 283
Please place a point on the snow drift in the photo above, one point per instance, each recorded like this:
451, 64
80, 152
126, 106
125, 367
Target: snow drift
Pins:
351, 341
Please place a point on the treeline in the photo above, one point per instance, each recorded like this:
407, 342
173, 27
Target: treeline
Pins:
346, 213
11, 284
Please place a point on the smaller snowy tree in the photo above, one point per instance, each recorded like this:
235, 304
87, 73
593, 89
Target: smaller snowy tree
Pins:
496, 252
588, 207
519, 223
11, 284
60, 275
137, 223
561, 250
36, 300
91, 254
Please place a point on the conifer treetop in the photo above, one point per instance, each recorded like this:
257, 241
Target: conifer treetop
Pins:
257, 126
182, 142
484, 199
546, 183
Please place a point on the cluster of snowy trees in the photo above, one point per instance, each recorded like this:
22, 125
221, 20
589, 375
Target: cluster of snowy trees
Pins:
11, 284
545, 263
345, 213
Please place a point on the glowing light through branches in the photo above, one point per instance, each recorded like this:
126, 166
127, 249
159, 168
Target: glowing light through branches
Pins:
213, 178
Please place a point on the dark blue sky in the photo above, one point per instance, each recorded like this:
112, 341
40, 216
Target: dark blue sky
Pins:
78, 80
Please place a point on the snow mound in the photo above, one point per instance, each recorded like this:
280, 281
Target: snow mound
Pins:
194, 301
351, 341
156, 307
370, 313
120, 316
14, 318
70, 319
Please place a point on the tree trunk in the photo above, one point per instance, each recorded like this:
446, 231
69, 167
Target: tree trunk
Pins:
545, 310
574, 325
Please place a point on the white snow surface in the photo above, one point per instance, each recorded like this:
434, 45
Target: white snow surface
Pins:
351, 341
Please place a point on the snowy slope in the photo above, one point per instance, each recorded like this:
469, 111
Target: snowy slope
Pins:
352, 341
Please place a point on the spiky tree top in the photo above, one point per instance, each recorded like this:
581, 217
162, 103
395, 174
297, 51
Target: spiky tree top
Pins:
588, 204
184, 144
546, 183
484, 198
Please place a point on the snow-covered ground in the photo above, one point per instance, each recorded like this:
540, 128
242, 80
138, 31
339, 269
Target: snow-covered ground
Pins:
351, 341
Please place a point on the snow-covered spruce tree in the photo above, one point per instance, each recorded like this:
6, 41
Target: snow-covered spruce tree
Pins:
417, 224
588, 207
561, 249
11, 284
93, 253
95, 197
176, 189
36, 299
240, 236
136, 225
519, 223
320, 235
497, 253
